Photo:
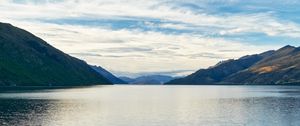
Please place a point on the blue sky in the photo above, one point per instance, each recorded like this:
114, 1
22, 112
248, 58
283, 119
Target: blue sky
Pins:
174, 37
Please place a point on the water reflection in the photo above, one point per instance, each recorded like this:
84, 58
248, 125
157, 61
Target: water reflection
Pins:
153, 106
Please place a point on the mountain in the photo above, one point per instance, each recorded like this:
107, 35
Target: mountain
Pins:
282, 67
26, 60
151, 79
127, 79
221, 70
112, 78
273, 67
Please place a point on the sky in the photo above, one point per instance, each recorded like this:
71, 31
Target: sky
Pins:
169, 37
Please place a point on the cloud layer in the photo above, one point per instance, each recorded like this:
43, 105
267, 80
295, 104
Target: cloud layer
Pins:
157, 35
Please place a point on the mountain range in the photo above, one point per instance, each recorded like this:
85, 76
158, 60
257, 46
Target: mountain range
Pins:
26, 60
280, 66
149, 79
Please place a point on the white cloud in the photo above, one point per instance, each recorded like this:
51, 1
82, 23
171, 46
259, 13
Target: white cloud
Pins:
175, 26
260, 23
149, 51
229, 24
162, 52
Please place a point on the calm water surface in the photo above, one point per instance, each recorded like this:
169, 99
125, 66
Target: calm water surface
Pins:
153, 106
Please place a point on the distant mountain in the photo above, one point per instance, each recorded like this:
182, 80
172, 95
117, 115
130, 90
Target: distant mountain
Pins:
151, 79
112, 78
127, 79
273, 67
26, 60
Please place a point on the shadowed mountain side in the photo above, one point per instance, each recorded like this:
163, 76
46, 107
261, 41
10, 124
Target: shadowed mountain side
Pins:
112, 78
26, 60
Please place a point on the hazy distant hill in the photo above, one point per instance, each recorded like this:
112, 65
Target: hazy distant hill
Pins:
151, 79
112, 78
26, 60
273, 67
127, 79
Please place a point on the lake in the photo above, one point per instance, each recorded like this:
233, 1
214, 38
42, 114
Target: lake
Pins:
121, 105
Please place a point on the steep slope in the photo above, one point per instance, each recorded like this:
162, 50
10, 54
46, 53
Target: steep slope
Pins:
112, 78
221, 70
26, 60
127, 79
282, 67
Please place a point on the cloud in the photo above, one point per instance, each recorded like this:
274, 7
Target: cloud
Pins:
127, 49
208, 55
176, 15
156, 35
86, 54
138, 51
175, 73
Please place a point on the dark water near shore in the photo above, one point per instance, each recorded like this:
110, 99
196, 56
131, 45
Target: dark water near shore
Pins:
153, 106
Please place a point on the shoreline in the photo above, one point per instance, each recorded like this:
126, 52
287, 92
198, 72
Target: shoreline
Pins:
69, 87
33, 88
